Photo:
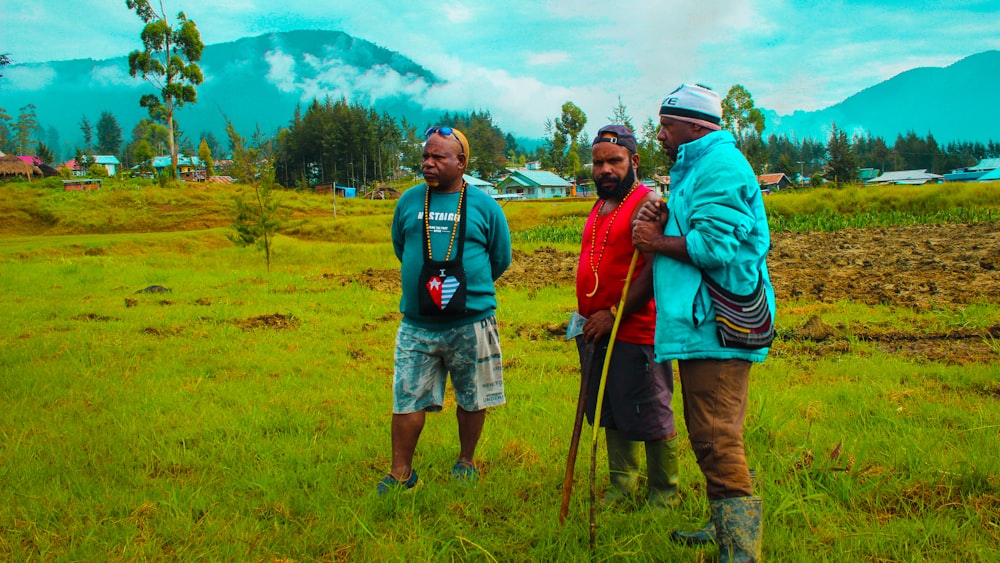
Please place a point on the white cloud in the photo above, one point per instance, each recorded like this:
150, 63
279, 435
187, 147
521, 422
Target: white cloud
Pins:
547, 58
29, 77
113, 75
457, 13
281, 70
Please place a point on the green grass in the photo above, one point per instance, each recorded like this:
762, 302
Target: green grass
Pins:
184, 427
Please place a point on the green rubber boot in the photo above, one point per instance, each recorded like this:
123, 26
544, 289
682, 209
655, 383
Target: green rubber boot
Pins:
623, 467
706, 534
661, 467
738, 526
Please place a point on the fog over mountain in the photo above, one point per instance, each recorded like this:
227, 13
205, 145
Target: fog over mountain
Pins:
259, 81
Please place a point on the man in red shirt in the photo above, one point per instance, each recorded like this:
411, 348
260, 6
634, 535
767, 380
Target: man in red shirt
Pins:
638, 391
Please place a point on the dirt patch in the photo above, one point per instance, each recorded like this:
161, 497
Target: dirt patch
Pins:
94, 317
920, 267
276, 321
917, 266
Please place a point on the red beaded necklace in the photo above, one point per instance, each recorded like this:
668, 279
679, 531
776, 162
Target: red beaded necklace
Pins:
604, 243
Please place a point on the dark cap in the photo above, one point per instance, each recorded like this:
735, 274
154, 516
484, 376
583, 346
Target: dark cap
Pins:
618, 135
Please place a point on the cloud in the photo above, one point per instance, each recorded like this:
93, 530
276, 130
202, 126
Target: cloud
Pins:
281, 70
112, 75
457, 13
547, 58
29, 77
322, 78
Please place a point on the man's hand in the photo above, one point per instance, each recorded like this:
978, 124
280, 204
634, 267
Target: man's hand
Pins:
598, 325
653, 211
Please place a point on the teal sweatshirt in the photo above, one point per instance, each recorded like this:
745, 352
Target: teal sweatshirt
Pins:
486, 256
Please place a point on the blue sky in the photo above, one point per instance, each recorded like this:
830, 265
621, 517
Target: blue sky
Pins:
523, 60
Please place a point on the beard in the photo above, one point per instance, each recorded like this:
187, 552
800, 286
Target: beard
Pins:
619, 191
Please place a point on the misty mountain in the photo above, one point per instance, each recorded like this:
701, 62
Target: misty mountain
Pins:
259, 81
954, 103
255, 81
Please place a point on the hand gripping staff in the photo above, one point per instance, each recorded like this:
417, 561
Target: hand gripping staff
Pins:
600, 396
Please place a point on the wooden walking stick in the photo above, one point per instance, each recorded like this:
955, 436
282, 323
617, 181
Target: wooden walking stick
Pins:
574, 443
600, 397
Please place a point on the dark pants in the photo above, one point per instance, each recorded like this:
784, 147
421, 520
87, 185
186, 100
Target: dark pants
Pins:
715, 405
637, 393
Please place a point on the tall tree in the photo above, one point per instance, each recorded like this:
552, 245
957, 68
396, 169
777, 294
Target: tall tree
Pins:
88, 133
842, 164
6, 135
109, 134
44, 154
620, 115
25, 129
205, 154
168, 62
740, 116
568, 126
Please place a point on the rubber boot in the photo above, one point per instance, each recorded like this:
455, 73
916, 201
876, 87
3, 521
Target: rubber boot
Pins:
623, 466
661, 467
706, 534
737, 526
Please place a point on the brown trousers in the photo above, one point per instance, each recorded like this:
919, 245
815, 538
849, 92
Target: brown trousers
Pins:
715, 405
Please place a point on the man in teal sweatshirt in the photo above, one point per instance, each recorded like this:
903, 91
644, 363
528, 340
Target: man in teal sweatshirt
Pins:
453, 243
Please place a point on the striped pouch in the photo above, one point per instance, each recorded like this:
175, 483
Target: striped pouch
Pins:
741, 321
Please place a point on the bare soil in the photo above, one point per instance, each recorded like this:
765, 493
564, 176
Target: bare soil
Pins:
919, 267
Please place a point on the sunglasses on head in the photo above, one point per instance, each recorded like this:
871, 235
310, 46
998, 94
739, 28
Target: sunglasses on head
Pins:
444, 131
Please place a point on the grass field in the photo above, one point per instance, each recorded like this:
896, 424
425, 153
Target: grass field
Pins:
244, 416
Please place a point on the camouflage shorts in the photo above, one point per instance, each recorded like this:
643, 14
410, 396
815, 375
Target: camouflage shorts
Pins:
424, 359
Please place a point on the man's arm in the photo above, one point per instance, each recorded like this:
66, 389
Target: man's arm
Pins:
648, 237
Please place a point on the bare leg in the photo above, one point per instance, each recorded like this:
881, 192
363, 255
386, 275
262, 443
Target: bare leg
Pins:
470, 427
406, 430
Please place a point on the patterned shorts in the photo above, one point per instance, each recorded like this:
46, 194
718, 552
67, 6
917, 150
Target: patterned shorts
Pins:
424, 358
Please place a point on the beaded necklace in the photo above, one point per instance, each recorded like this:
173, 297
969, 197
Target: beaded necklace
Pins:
427, 221
604, 243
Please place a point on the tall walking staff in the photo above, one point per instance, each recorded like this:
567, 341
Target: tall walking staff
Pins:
600, 397
574, 443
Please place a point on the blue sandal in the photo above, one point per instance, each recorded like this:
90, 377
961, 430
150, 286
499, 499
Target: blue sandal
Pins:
390, 483
465, 470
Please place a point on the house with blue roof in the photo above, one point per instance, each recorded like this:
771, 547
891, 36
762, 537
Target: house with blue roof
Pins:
487, 187
534, 184
186, 165
109, 162
983, 168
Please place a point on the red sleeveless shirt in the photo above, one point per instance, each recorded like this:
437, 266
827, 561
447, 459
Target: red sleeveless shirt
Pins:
612, 260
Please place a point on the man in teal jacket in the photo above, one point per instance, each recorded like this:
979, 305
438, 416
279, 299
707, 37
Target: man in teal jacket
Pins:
713, 225
453, 243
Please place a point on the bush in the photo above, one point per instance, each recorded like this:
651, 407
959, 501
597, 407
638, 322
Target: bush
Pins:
53, 183
97, 171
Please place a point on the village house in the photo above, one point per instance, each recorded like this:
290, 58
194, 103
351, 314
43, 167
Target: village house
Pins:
907, 177
770, 183
534, 184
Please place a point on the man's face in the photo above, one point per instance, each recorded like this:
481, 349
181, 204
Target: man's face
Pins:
613, 170
444, 162
674, 133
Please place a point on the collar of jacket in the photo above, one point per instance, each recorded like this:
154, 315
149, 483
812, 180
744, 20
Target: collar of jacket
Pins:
689, 153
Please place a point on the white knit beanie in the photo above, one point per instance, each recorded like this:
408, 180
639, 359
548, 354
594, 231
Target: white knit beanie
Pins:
694, 103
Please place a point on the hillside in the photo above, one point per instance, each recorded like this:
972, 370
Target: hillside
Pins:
953, 103
256, 81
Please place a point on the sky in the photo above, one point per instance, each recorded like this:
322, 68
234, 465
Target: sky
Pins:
523, 60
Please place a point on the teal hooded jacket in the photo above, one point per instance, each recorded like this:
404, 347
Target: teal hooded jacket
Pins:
715, 202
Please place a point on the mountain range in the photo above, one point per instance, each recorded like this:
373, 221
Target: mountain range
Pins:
954, 103
259, 82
